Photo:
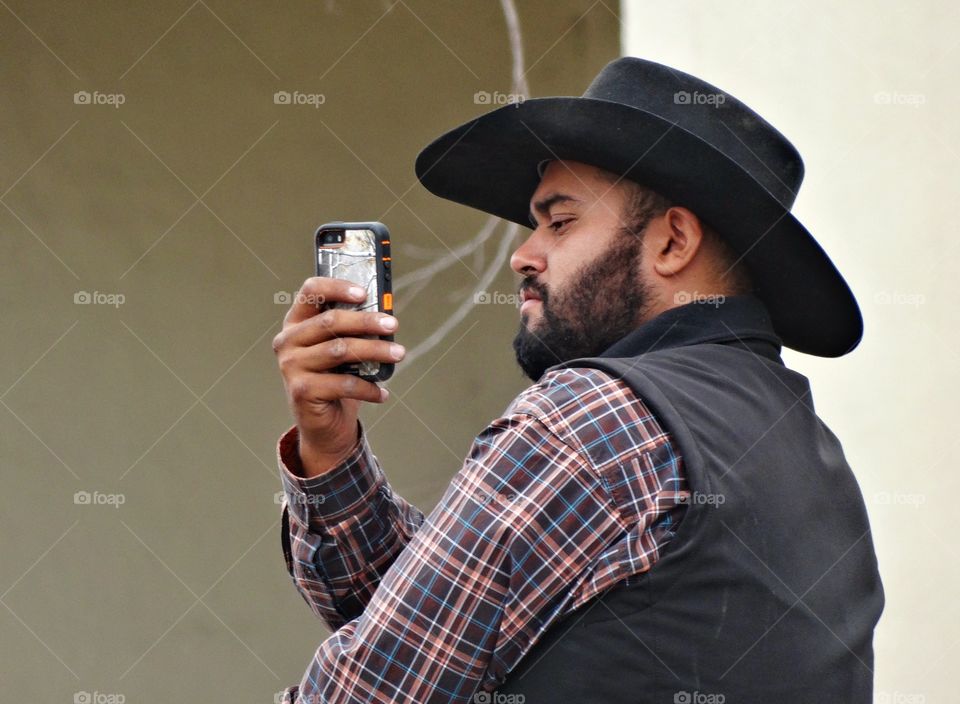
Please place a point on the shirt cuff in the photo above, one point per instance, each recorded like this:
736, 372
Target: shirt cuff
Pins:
335, 495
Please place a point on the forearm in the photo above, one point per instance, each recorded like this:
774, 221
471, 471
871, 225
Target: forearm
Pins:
342, 529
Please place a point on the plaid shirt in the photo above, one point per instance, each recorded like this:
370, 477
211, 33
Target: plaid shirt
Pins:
575, 489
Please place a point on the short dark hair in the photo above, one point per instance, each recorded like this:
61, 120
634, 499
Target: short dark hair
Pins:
643, 204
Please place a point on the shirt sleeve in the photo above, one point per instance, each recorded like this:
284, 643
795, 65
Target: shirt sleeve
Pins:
489, 570
340, 530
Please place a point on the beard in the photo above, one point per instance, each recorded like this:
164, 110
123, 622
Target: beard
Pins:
603, 302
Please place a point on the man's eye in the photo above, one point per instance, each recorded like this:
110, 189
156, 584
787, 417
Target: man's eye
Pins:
560, 224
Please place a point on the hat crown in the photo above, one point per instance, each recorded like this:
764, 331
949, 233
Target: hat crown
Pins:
708, 112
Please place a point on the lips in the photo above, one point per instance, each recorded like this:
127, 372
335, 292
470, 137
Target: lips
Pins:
528, 292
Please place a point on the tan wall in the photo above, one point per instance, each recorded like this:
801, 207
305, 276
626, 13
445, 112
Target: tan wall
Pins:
196, 200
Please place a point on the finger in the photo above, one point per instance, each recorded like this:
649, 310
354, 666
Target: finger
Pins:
347, 350
334, 387
318, 292
334, 323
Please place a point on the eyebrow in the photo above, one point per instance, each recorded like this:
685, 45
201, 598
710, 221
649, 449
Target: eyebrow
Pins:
543, 206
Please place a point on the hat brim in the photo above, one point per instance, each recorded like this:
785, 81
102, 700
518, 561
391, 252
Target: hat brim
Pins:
490, 163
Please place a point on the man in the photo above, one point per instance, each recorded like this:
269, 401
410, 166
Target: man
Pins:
661, 516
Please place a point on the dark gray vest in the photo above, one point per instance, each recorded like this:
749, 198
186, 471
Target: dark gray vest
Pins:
769, 592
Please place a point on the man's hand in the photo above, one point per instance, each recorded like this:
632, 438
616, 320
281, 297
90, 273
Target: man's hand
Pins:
316, 339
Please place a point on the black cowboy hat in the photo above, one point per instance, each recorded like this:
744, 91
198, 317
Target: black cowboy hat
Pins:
695, 144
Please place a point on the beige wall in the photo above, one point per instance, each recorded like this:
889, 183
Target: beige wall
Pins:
196, 200
867, 91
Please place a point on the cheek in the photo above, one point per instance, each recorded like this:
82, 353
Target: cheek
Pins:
566, 255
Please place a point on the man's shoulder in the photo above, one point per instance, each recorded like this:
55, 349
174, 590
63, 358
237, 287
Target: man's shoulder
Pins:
565, 390
588, 407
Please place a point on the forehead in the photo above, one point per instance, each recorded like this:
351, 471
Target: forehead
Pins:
583, 181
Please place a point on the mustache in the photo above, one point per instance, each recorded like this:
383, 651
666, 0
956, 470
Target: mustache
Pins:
535, 286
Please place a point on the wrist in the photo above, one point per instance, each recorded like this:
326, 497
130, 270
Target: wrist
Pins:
319, 459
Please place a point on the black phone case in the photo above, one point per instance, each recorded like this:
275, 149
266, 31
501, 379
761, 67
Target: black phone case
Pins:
384, 282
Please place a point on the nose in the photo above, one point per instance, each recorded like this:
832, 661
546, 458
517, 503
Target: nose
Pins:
529, 257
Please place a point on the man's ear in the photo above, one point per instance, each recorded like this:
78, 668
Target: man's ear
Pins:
674, 240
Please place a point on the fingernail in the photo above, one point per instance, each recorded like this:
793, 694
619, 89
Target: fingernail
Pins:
397, 351
384, 394
357, 292
388, 323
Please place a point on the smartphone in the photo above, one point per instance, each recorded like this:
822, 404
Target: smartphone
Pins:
359, 252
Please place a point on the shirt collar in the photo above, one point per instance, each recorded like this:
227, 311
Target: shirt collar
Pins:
720, 319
